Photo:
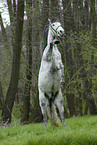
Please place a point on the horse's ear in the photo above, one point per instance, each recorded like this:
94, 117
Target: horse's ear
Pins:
49, 20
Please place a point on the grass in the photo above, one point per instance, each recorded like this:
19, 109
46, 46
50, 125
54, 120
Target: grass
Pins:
78, 131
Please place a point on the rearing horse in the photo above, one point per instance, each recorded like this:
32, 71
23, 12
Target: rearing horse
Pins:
51, 74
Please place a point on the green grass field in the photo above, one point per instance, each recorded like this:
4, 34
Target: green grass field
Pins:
78, 131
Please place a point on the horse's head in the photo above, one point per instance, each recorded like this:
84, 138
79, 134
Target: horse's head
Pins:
56, 28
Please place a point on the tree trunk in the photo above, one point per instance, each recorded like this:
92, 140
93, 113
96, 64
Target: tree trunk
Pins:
71, 104
36, 115
4, 33
45, 13
44, 20
89, 97
1, 96
93, 18
26, 99
35, 109
69, 60
10, 97
54, 8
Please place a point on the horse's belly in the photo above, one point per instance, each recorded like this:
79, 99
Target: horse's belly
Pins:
49, 82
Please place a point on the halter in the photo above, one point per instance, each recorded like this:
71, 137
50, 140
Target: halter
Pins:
54, 30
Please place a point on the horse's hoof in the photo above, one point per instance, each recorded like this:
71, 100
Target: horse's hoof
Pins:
64, 124
45, 124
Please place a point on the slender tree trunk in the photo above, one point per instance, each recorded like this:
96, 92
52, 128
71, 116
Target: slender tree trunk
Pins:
69, 64
4, 33
89, 97
45, 13
54, 8
71, 104
26, 99
93, 18
10, 97
45, 16
96, 25
6, 46
35, 109
10, 7
3, 29
1, 96
80, 104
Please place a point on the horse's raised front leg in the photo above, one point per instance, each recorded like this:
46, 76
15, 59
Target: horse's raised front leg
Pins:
59, 102
43, 104
62, 74
47, 55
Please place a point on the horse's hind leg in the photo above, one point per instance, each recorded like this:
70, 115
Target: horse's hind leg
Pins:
59, 103
43, 104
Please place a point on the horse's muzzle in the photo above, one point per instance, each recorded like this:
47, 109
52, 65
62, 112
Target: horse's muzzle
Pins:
56, 41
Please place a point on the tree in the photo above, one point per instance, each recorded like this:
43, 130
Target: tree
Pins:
26, 99
69, 58
1, 96
5, 39
36, 31
17, 45
93, 18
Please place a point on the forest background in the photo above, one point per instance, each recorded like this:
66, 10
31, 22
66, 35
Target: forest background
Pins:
20, 56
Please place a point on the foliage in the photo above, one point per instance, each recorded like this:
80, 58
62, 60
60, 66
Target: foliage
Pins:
78, 131
83, 40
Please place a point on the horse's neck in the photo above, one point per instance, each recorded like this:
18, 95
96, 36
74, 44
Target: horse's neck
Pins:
49, 49
50, 37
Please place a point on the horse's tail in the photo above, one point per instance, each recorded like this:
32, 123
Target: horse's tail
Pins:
52, 114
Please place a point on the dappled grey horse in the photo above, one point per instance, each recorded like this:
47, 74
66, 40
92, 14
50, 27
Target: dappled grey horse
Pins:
51, 73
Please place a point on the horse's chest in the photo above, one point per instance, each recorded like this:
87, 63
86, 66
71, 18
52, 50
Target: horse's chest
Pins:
50, 73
